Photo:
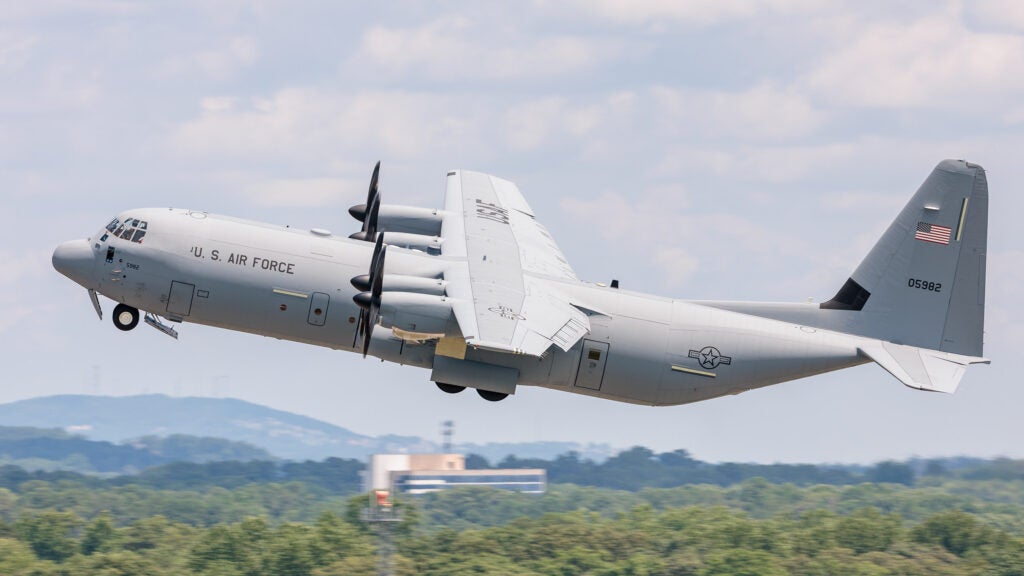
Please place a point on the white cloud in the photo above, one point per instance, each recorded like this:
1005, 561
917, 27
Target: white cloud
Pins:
762, 112
661, 226
696, 12
240, 52
15, 49
21, 269
931, 62
861, 201
37, 9
309, 123
303, 192
230, 57
999, 13
541, 122
456, 48
772, 164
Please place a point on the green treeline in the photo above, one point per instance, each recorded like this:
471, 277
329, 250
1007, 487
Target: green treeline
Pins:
939, 526
639, 513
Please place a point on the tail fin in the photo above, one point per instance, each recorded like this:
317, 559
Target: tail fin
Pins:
923, 284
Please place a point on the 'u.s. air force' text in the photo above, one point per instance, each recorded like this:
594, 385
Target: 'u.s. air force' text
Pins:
239, 259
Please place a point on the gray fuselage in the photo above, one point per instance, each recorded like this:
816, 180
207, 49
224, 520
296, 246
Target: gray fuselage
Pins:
294, 285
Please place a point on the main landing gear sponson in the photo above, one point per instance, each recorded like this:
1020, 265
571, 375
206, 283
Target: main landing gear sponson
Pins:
125, 317
485, 394
491, 396
450, 388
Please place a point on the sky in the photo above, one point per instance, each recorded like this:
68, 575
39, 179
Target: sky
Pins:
748, 150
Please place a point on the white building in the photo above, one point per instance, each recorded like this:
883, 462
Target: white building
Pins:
423, 473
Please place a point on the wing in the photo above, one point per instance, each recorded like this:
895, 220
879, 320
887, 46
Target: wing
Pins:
501, 300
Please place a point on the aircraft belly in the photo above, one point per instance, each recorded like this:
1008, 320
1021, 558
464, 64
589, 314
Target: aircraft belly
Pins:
711, 361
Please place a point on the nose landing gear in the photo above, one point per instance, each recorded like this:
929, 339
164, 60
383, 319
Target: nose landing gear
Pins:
125, 317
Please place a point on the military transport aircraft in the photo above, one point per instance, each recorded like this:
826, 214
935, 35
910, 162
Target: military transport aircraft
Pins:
479, 294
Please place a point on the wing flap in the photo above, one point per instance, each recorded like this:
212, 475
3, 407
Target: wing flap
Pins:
504, 303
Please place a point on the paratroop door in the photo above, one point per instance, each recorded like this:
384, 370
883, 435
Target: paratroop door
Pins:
179, 302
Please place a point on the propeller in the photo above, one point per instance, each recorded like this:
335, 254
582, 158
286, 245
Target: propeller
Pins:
359, 210
369, 231
368, 299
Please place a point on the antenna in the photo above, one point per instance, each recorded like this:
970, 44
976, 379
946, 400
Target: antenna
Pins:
447, 429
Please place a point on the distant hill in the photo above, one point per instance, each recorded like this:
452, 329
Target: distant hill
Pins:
120, 419
123, 418
54, 449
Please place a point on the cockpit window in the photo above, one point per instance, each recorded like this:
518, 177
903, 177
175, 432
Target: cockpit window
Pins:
132, 229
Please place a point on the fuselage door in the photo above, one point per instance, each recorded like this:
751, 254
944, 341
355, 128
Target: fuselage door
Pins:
179, 302
592, 361
318, 308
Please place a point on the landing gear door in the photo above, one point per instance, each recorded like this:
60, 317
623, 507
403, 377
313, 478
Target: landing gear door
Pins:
179, 302
592, 362
318, 308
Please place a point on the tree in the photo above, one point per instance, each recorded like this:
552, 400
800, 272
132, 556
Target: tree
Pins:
867, 530
740, 562
49, 534
892, 473
956, 531
98, 534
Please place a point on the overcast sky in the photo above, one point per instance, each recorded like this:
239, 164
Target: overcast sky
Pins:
747, 150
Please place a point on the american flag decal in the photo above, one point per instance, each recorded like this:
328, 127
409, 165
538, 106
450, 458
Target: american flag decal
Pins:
932, 233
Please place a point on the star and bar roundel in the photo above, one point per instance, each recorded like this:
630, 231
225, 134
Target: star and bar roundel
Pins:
709, 357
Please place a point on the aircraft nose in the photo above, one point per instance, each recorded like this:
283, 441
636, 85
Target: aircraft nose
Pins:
75, 260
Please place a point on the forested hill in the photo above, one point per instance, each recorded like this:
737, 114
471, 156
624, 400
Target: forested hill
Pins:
54, 449
284, 435
121, 418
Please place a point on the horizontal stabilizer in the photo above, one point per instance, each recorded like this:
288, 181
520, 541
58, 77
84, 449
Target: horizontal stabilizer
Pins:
921, 368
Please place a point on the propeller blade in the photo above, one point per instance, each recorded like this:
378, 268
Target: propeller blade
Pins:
376, 290
365, 299
364, 282
371, 321
359, 328
359, 210
369, 230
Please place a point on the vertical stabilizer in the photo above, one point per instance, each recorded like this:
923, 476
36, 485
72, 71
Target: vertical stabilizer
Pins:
923, 284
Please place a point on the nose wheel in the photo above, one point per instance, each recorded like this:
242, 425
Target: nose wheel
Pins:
125, 317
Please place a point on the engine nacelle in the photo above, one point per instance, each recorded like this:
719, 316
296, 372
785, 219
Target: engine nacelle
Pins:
423, 314
429, 244
408, 219
402, 283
